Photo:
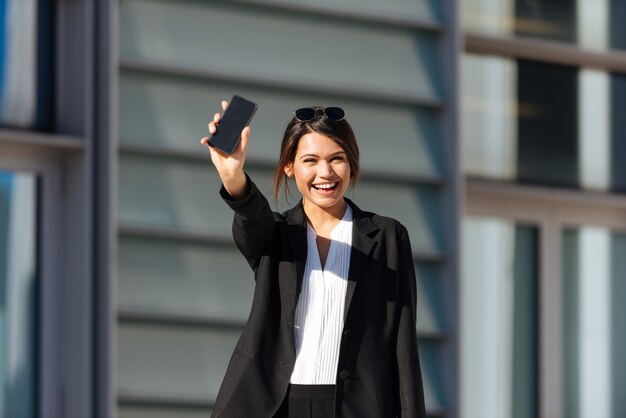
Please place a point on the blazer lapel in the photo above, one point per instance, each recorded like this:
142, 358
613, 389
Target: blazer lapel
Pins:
362, 245
360, 255
296, 231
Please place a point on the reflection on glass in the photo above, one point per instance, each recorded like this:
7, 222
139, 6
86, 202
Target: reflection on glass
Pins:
594, 129
26, 76
592, 24
543, 124
499, 319
489, 117
547, 133
17, 294
594, 291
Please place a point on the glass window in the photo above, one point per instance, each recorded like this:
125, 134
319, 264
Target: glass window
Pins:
546, 124
499, 319
591, 24
26, 76
594, 290
18, 294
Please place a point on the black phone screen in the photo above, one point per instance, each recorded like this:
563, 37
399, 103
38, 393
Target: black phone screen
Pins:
237, 116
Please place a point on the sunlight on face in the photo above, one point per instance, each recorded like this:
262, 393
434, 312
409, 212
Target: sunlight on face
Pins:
321, 170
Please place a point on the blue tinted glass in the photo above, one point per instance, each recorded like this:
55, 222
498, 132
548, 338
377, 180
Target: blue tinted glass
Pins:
18, 290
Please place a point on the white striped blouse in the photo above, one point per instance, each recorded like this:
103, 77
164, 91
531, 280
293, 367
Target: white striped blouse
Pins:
318, 321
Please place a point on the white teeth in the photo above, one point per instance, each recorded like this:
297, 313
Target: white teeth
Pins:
325, 186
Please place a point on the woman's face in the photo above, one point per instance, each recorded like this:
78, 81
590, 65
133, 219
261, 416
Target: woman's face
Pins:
322, 172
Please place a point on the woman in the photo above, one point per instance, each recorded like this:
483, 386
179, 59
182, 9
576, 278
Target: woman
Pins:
332, 330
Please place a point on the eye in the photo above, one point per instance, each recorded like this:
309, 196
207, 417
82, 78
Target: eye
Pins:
308, 160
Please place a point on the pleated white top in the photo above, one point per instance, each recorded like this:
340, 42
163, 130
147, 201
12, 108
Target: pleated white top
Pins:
318, 321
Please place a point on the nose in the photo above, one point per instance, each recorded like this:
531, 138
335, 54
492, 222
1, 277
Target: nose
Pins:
326, 169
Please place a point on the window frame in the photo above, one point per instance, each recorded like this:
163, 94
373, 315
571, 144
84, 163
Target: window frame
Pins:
66, 298
16, 156
552, 211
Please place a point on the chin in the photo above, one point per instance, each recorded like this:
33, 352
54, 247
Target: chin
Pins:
327, 203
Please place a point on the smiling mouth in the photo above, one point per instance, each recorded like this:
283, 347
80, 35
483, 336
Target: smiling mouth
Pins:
325, 187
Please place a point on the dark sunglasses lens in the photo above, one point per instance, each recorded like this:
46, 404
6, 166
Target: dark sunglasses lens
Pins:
305, 114
335, 113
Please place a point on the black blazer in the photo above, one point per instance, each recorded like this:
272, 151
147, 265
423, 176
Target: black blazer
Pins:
378, 374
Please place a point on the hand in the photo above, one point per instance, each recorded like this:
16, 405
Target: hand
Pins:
229, 167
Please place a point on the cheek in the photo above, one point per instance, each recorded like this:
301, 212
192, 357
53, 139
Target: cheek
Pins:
302, 175
345, 170
303, 171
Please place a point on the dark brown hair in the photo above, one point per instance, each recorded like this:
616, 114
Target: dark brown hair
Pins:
339, 131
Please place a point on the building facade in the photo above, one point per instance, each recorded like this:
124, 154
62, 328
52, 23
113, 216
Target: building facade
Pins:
491, 129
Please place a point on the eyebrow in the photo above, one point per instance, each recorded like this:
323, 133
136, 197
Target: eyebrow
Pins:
317, 156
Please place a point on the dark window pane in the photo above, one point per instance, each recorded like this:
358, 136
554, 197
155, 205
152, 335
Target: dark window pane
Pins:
618, 26
548, 19
547, 145
525, 325
618, 109
544, 124
618, 310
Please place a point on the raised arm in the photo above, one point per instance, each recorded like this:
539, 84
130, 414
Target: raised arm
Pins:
230, 167
253, 224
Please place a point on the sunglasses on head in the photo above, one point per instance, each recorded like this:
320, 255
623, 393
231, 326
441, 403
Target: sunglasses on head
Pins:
307, 114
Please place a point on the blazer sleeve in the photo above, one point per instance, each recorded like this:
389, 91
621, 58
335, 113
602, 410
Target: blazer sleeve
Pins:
253, 223
410, 387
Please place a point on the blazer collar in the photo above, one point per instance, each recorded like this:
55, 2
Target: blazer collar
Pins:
363, 242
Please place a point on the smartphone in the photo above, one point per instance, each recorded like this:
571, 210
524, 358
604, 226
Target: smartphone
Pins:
237, 116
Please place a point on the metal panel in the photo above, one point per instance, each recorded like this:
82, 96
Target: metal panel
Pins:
103, 164
172, 113
166, 193
259, 42
207, 281
185, 365
451, 202
167, 361
214, 284
431, 310
400, 11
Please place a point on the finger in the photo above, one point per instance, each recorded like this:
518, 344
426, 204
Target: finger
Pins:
224, 104
212, 127
205, 141
215, 153
245, 138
